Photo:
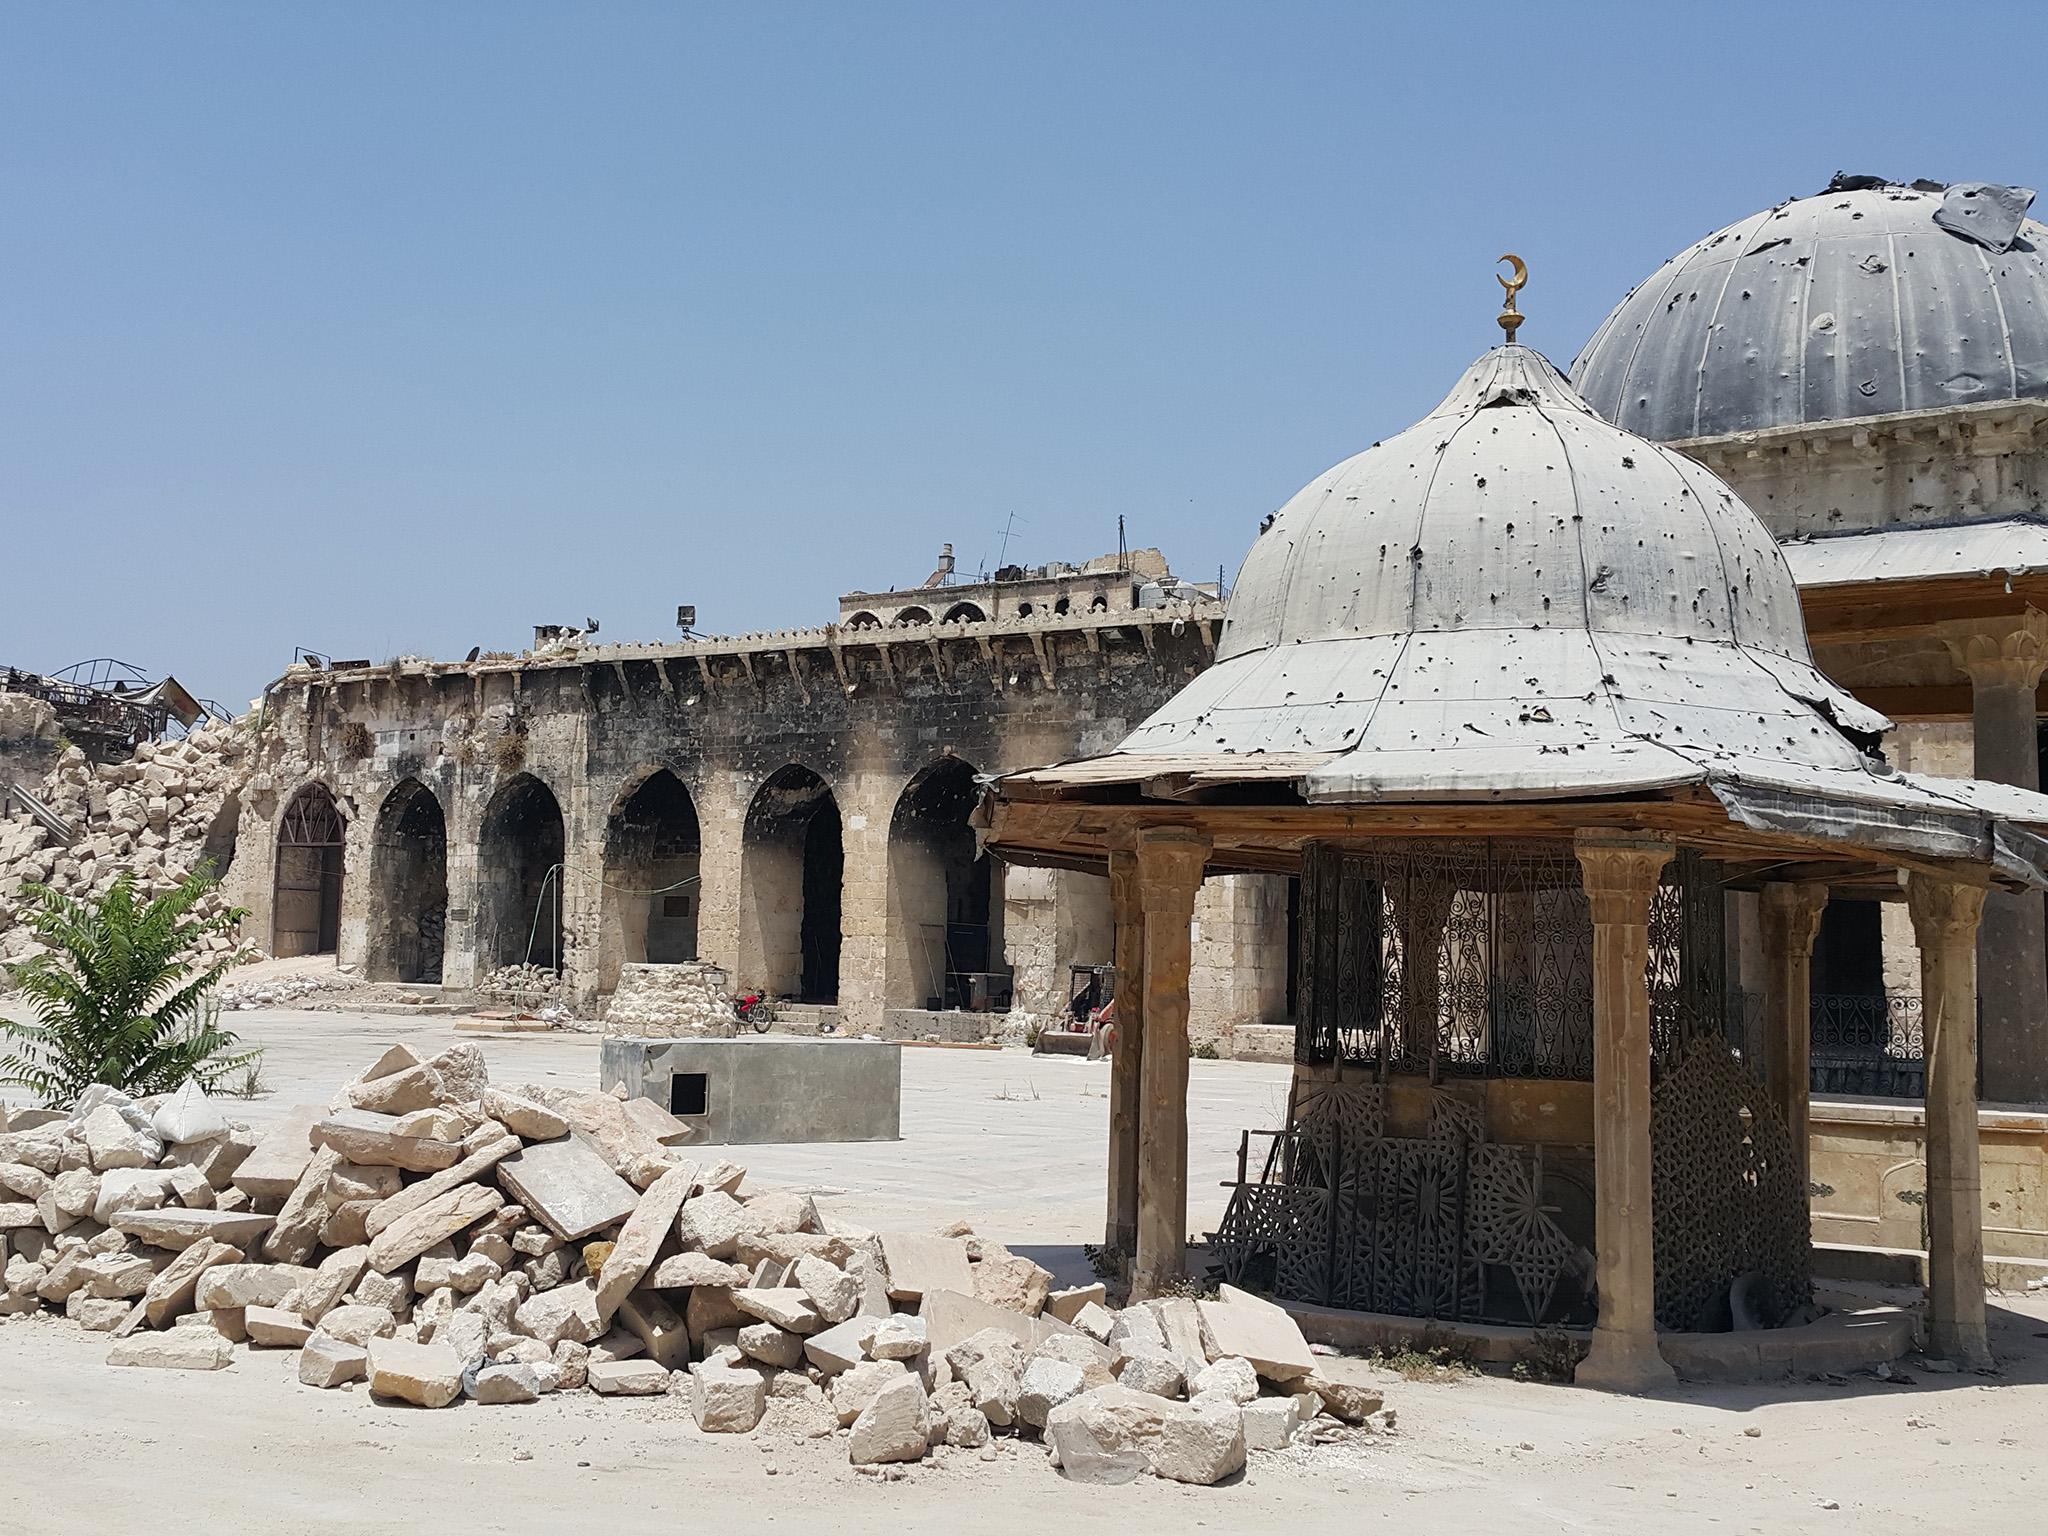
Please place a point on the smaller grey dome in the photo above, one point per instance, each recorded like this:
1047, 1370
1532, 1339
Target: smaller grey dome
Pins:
1865, 300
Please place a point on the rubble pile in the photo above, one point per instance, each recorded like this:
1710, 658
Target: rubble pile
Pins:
288, 991
670, 1001
521, 983
151, 814
442, 1239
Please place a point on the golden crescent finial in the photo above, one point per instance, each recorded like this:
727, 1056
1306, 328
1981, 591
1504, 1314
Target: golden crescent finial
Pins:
1510, 317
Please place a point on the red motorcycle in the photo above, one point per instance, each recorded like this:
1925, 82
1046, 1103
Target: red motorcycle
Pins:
755, 1009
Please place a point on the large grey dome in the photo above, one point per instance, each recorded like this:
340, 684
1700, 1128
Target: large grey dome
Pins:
1514, 597
1857, 302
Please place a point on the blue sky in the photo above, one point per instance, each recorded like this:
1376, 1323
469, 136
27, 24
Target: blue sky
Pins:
385, 328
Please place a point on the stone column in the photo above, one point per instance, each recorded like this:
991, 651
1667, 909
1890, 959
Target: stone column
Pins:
2004, 663
721, 821
1170, 861
1620, 873
1791, 921
1120, 1232
1945, 924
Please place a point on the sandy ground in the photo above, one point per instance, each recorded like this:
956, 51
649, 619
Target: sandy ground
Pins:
1014, 1145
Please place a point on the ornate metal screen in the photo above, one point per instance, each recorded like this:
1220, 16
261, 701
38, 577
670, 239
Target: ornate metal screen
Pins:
1450, 961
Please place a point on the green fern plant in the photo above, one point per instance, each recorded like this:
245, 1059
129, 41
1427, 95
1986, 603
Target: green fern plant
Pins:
119, 997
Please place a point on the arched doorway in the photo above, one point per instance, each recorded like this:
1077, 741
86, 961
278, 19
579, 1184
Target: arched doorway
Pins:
519, 879
306, 901
941, 892
409, 886
792, 860
650, 879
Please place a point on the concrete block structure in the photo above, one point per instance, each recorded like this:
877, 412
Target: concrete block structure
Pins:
764, 1088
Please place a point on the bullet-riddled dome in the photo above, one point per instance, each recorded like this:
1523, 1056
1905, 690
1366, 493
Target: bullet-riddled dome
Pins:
1513, 597
1868, 299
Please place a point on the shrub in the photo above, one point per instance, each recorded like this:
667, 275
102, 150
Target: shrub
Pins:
109, 960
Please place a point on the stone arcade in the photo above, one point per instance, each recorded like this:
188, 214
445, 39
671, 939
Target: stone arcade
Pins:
1520, 696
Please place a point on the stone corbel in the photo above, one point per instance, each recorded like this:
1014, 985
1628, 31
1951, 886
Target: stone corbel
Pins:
796, 671
1045, 665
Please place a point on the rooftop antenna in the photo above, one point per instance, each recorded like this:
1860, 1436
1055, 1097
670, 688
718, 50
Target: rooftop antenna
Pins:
1123, 558
1511, 318
1003, 549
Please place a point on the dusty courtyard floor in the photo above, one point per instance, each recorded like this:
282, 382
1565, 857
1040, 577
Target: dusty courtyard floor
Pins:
1014, 1145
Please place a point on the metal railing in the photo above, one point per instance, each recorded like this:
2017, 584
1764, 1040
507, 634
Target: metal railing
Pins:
1868, 1044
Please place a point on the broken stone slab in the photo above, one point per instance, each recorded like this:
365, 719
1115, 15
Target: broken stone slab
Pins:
683, 1270
273, 1168
1270, 1422
523, 1117
512, 1382
918, 1264
473, 1166
711, 1224
640, 1239
771, 1346
426, 1375
233, 1286
436, 1221
657, 1122
275, 1328
217, 1160
1254, 1329
842, 1346
1157, 1371
170, 1294
112, 1141
851, 1391
1346, 1387
785, 1306
834, 1292
1111, 1434
326, 1361
727, 1399
627, 1378
1043, 1386
1066, 1305
333, 1278
565, 1312
1232, 1378
358, 1324
951, 1316
189, 1187
648, 1316
1180, 1324
465, 1076
991, 1364
363, 1136
297, 1232
898, 1337
892, 1427
567, 1186
122, 1190
397, 1093
181, 1349
1006, 1280
118, 1276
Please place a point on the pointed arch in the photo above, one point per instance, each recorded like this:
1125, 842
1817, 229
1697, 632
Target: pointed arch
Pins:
408, 887
307, 880
792, 864
519, 868
651, 849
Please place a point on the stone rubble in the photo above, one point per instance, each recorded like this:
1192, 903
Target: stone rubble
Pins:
471, 1243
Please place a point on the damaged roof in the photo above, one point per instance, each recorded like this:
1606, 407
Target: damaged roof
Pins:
1865, 300
2007, 546
1516, 600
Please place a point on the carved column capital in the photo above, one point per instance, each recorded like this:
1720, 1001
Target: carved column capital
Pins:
1945, 912
1619, 874
2010, 653
1170, 863
1791, 916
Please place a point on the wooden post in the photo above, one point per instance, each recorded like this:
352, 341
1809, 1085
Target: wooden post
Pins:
1945, 920
1791, 920
1170, 861
1620, 873
1127, 915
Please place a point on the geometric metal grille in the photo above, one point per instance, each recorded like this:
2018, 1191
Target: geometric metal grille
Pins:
1444, 1225
1728, 1209
1475, 958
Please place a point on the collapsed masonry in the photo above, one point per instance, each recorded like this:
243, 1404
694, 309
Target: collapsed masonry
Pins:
442, 1238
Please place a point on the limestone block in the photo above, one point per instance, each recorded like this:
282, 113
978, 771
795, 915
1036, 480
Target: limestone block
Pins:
325, 1361
628, 1378
362, 1136
682, 1270
418, 1230
397, 1093
1005, 1280
28, 1182
1347, 1388
333, 1278
710, 1224
274, 1166
464, 1074
648, 1316
358, 1324
834, 1292
842, 1346
275, 1328
771, 1345
649, 1225
573, 1361
75, 1191
852, 1390
918, 1264
1269, 1423
181, 1349
785, 1306
96, 1314
179, 1227
565, 1312
954, 1420
476, 1162
1229, 1377
427, 1375
568, 1187
1256, 1330
1043, 1386
658, 1122
122, 1190
892, 1427
1157, 1371
898, 1337
522, 1116
112, 1142
727, 1399
511, 1383
116, 1276
1181, 1326
1066, 1305
16, 1214
249, 1285
1111, 1434
297, 1230
991, 1364
189, 1187
170, 1292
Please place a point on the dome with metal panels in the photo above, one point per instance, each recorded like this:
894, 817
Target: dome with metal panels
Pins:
1513, 598
1868, 299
